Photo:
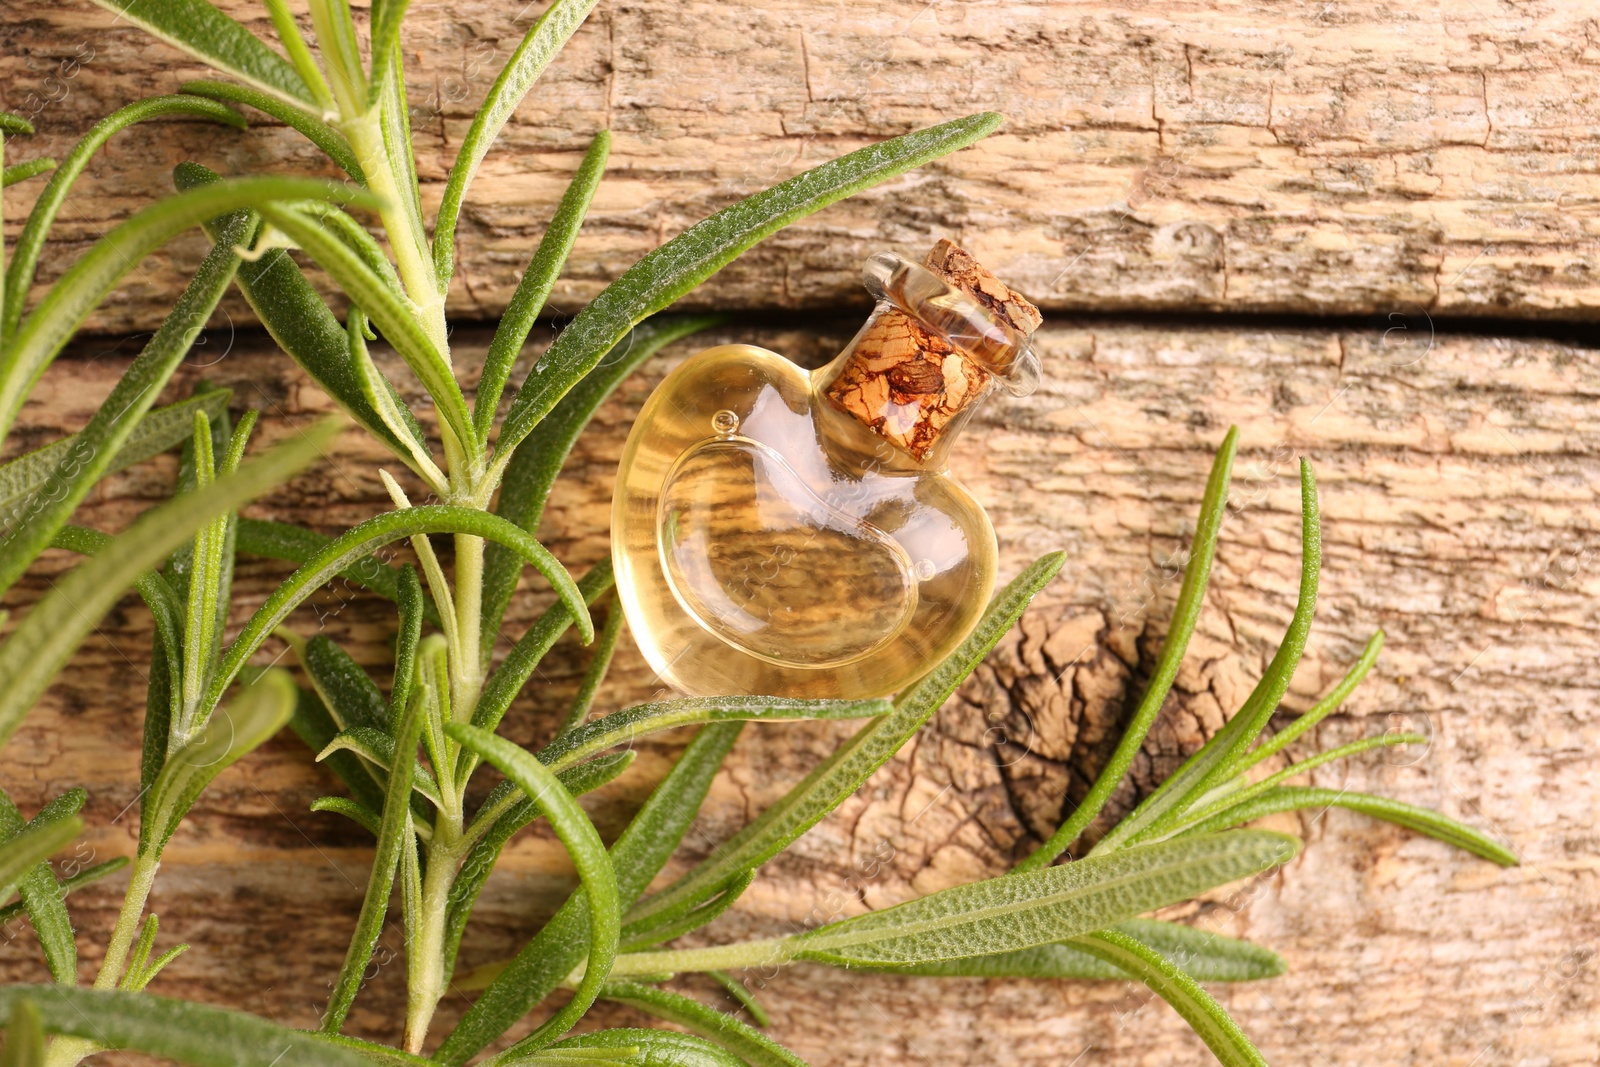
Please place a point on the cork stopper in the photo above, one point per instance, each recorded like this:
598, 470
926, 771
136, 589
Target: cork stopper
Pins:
942, 336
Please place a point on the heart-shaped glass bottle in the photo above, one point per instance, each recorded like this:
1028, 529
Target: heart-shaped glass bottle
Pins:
779, 532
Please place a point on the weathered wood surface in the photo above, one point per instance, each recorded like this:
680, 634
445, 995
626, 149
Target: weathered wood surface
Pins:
1352, 158
1458, 483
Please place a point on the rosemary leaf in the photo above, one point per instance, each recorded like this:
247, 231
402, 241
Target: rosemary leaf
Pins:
21, 172
741, 1039
1021, 911
626, 726
538, 46
583, 844
1421, 820
200, 30
1169, 982
1205, 956
25, 253
344, 687
296, 544
537, 281
361, 541
396, 821
300, 322
647, 1048
182, 1030
46, 329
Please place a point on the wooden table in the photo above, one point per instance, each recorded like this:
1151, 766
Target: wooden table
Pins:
1364, 234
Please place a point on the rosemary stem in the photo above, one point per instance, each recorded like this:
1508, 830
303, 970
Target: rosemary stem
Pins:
769, 952
425, 955
66, 1051
365, 134
466, 673
127, 928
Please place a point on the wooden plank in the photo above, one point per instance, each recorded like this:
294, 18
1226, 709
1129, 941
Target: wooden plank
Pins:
1458, 485
1357, 159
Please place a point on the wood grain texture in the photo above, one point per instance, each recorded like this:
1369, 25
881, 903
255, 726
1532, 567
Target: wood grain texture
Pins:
1458, 487
1357, 158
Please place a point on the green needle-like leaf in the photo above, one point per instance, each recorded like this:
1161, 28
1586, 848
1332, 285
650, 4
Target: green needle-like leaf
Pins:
588, 852
87, 281
1169, 982
744, 1041
21, 172
296, 117
179, 1030
25, 1045
670, 925
690, 258
842, 773
314, 725
300, 53
506, 811
150, 435
742, 996
539, 45
148, 973
626, 726
345, 688
1185, 614
1021, 911
43, 895
598, 772
200, 30
386, 17
25, 254
1244, 793
39, 647
649, 1048
594, 675
413, 609
537, 281
1322, 709
1281, 670
637, 857
378, 748
33, 846
296, 544
375, 904
532, 471
351, 809
1423, 821
514, 671
1224, 754
1207, 957
77, 881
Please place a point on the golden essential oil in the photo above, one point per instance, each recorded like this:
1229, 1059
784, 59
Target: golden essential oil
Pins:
779, 532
